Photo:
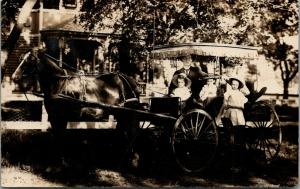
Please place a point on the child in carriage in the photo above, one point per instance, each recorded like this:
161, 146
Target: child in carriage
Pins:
182, 90
234, 101
209, 91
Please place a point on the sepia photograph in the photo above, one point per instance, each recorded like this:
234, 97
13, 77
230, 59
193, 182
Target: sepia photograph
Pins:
149, 93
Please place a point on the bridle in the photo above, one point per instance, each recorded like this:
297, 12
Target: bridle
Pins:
125, 80
67, 76
24, 73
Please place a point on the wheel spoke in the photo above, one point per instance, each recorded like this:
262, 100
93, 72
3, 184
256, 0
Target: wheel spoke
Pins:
271, 144
261, 124
196, 128
190, 132
270, 125
261, 146
184, 130
264, 123
205, 130
266, 140
256, 144
255, 124
144, 126
194, 141
263, 149
210, 134
268, 149
193, 127
201, 125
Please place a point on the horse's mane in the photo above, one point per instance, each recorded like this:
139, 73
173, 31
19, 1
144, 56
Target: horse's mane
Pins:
131, 86
68, 82
49, 64
128, 85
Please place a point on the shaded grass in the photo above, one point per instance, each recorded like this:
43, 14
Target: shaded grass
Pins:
79, 156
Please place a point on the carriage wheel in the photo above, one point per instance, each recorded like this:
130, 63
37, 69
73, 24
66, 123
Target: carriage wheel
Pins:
145, 125
264, 136
194, 140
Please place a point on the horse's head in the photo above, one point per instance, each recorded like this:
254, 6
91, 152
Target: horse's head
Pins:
36, 66
26, 73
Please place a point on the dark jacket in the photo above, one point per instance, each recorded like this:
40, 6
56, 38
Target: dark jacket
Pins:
195, 74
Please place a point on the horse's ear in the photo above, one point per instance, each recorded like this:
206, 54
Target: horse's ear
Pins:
38, 52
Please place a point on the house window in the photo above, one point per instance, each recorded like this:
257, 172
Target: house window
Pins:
70, 3
51, 4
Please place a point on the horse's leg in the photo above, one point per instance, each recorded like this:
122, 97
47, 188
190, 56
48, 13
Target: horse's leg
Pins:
58, 128
73, 125
128, 128
90, 125
56, 110
58, 124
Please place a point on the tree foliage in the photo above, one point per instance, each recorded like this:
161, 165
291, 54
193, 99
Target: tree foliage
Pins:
141, 24
9, 10
266, 23
144, 23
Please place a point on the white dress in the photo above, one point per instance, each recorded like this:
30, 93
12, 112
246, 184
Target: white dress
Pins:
182, 92
234, 104
208, 91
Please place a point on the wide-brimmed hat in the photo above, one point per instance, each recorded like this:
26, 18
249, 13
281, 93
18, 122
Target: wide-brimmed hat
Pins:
241, 84
182, 76
187, 57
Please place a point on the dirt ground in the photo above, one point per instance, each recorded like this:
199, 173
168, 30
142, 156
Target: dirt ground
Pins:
31, 158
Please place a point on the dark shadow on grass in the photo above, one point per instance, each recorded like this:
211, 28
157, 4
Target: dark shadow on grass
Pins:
72, 161
75, 160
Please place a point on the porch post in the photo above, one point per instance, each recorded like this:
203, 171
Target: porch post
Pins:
94, 60
61, 46
41, 18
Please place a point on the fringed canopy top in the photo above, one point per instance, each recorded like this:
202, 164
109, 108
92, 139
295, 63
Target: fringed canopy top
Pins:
204, 49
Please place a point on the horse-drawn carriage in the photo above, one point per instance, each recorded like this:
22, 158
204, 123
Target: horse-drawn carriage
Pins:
193, 135
198, 132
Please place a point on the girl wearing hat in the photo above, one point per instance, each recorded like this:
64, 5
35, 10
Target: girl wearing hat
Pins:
234, 101
182, 83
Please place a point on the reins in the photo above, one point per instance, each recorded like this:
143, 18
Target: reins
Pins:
75, 73
24, 91
135, 98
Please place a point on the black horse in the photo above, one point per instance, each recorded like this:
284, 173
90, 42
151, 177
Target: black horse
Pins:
54, 81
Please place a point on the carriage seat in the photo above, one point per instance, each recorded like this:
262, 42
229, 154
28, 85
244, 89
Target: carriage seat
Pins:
165, 105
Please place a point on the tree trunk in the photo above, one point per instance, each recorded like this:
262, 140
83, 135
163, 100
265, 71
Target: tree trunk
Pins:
285, 89
124, 56
14, 35
12, 39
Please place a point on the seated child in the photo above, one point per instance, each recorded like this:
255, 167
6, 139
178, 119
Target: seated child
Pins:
234, 101
208, 92
182, 83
